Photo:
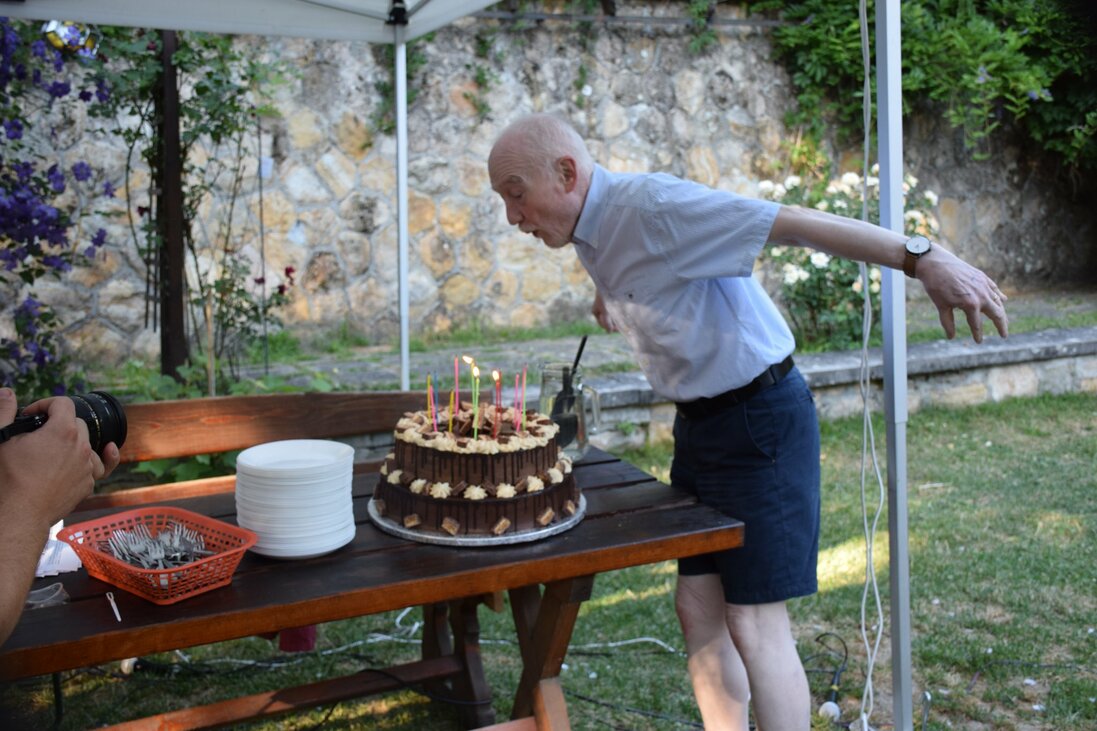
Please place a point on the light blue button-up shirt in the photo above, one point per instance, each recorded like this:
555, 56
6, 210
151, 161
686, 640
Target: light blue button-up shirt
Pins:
673, 260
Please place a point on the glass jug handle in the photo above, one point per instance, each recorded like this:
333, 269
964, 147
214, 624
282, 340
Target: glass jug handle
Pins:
596, 409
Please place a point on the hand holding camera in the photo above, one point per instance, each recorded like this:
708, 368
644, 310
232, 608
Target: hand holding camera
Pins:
67, 444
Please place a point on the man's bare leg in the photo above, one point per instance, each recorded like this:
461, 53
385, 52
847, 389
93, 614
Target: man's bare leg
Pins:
715, 668
779, 687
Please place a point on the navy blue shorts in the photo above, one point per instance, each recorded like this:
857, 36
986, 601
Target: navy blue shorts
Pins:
757, 461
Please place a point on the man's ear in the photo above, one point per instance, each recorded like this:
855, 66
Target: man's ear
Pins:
569, 175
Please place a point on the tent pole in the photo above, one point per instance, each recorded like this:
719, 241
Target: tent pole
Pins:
890, 155
400, 49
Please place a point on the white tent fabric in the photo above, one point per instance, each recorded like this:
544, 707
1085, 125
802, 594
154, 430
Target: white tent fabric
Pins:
349, 20
369, 20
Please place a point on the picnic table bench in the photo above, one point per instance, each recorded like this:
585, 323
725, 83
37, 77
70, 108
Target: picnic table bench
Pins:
631, 519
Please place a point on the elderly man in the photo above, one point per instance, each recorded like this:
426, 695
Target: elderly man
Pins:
671, 261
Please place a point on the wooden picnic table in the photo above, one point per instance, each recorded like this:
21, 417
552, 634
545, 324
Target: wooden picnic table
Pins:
631, 519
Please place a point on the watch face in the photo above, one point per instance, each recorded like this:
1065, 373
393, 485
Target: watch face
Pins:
918, 245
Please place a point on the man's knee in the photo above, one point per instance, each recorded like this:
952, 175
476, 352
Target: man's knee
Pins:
699, 602
756, 626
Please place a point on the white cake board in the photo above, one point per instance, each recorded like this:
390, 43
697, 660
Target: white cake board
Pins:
396, 529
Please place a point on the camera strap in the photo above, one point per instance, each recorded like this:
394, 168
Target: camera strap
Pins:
21, 425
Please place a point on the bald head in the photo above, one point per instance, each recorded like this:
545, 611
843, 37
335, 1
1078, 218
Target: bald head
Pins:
535, 143
542, 169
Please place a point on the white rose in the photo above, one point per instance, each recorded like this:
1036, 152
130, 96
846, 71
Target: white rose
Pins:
819, 260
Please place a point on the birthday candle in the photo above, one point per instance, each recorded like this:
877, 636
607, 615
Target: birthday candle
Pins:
523, 398
475, 401
472, 366
498, 400
434, 403
428, 392
451, 397
516, 416
456, 392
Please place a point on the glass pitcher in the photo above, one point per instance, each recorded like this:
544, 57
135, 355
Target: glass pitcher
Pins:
571, 404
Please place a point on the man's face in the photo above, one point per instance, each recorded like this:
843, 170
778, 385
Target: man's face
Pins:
538, 202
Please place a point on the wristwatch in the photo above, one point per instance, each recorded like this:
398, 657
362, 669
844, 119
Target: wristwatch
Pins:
917, 247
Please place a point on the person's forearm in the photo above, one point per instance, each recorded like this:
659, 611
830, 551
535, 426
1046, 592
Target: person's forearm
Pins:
848, 238
21, 545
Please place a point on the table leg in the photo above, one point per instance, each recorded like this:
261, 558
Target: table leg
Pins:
544, 640
453, 629
470, 686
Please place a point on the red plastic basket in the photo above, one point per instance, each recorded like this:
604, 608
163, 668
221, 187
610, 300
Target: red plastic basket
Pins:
161, 586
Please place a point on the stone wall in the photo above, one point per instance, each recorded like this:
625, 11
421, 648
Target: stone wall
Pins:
639, 96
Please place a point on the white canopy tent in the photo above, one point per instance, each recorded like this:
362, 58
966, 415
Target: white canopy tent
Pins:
399, 21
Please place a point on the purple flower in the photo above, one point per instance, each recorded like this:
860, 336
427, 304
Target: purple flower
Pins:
38, 48
99, 238
108, 189
102, 91
13, 129
81, 171
55, 262
56, 178
30, 307
85, 95
59, 89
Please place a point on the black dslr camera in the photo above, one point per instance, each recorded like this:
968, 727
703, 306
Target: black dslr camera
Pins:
102, 413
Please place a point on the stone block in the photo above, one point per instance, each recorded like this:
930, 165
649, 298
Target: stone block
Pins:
1012, 381
337, 171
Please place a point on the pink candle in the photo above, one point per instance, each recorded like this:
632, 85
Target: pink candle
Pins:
516, 412
456, 385
434, 403
523, 398
475, 402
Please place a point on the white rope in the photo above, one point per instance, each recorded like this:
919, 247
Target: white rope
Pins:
868, 444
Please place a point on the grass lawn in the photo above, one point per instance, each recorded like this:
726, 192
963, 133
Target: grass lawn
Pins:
1002, 502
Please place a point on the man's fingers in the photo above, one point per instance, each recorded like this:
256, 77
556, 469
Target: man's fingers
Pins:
975, 322
948, 322
8, 406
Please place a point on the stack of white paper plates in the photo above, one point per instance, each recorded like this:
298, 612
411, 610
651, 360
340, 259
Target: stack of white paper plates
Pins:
296, 496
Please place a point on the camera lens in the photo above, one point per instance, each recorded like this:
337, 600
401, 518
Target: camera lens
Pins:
104, 416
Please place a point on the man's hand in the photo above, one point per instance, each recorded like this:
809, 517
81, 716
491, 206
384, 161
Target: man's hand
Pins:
605, 321
952, 283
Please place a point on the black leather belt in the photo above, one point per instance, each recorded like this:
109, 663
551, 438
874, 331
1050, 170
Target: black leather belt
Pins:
703, 407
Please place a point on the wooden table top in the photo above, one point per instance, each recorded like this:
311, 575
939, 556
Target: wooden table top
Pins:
631, 519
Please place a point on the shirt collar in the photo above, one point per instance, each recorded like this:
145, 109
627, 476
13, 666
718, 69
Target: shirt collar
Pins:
590, 217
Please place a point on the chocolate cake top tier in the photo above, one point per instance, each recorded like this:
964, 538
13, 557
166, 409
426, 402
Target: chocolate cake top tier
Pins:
486, 430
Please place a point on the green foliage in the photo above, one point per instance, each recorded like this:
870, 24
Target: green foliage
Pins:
224, 92
484, 78
981, 64
822, 295
700, 13
384, 118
